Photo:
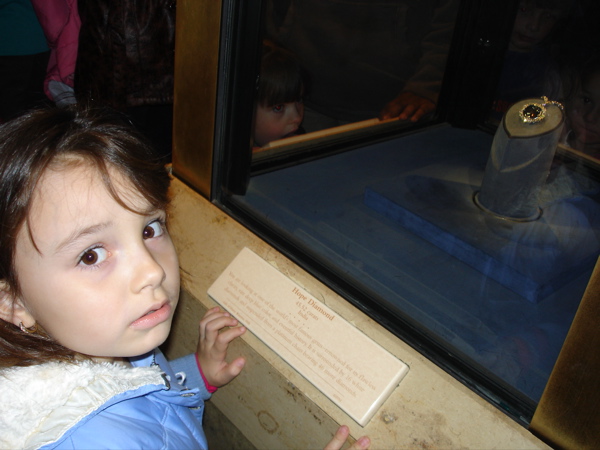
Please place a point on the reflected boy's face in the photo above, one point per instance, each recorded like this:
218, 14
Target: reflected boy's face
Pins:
584, 115
277, 121
100, 279
532, 25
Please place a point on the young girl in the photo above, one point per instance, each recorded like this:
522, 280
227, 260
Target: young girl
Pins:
279, 107
89, 282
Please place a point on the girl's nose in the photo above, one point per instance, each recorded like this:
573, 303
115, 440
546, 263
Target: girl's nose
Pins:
534, 21
147, 272
298, 113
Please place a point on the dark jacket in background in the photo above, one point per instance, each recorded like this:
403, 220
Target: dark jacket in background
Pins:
126, 52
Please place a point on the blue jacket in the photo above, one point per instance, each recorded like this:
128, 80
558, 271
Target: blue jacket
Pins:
90, 405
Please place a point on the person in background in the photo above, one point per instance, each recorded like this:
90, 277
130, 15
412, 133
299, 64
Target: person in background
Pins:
126, 61
279, 106
24, 55
60, 21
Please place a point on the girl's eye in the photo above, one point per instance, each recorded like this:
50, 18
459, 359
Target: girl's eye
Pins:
153, 229
278, 108
93, 256
583, 100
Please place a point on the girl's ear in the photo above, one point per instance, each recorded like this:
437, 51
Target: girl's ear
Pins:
12, 309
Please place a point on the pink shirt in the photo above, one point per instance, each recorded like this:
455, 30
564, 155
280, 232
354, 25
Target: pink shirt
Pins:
60, 22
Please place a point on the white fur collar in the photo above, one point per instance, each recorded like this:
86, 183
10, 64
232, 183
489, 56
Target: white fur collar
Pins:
40, 403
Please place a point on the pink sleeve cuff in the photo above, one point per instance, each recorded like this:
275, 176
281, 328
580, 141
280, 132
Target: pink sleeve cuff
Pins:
210, 388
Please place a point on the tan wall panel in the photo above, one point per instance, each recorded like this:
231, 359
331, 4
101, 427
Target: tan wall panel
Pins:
196, 68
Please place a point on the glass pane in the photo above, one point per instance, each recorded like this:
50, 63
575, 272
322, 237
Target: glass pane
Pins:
332, 66
413, 224
398, 219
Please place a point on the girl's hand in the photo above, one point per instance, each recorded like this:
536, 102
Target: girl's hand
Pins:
340, 437
212, 347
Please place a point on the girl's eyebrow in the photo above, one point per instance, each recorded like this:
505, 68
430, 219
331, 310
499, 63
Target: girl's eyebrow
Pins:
79, 233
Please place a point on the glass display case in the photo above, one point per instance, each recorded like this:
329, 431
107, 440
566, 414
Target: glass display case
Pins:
382, 207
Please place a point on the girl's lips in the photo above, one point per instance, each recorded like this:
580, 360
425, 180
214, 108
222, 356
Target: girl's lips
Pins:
290, 134
153, 318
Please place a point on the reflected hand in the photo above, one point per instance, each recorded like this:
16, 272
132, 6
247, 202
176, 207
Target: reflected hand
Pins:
407, 106
339, 439
212, 347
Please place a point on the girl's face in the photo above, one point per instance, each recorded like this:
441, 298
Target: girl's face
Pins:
103, 281
276, 122
532, 25
584, 115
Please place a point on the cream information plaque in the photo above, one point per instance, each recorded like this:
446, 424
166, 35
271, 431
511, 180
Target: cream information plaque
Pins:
351, 369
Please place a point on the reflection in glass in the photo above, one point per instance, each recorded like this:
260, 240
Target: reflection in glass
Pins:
396, 219
279, 108
552, 52
583, 111
365, 60
530, 66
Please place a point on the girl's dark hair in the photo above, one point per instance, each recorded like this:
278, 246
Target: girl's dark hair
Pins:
281, 78
590, 68
53, 137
